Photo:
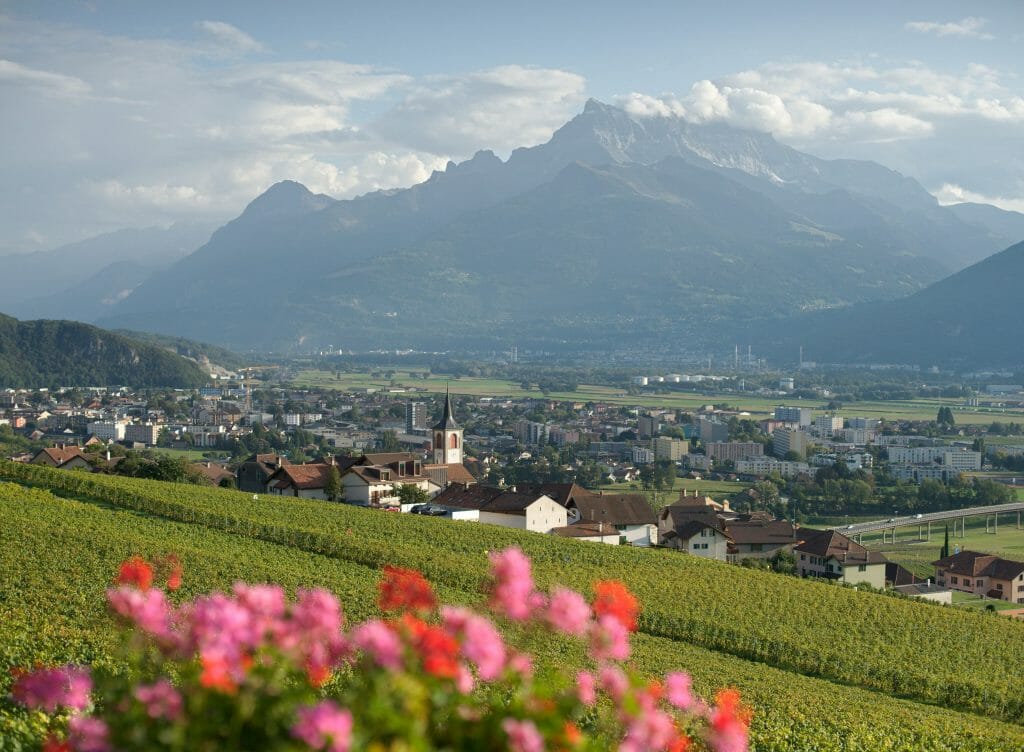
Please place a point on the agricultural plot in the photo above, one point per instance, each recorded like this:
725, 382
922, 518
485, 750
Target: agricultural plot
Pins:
57, 555
908, 649
759, 408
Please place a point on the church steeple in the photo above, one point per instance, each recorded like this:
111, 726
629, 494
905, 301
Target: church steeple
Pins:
447, 435
448, 416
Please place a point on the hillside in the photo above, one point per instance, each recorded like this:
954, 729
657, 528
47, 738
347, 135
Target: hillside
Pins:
69, 353
853, 652
566, 242
187, 348
970, 319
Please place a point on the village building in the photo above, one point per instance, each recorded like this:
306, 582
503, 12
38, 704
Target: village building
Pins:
982, 574
830, 555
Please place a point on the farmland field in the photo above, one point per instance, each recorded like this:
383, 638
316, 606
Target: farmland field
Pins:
758, 407
861, 648
916, 554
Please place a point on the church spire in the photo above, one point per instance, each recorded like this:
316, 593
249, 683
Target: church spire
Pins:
448, 416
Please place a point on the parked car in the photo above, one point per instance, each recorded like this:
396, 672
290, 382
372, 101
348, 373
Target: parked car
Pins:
429, 509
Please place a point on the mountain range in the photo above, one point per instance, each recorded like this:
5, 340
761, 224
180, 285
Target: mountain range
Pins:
617, 233
86, 279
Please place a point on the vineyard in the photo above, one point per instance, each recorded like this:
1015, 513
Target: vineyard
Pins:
819, 663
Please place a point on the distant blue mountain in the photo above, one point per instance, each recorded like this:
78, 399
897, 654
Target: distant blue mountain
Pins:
615, 229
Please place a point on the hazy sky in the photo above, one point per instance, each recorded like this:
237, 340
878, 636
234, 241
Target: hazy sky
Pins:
131, 113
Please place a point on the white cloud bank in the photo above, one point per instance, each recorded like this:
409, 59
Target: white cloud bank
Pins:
105, 131
970, 27
834, 101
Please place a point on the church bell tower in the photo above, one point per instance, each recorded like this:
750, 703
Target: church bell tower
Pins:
447, 436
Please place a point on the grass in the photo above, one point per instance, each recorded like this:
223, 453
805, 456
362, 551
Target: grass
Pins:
758, 407
192, 455
917, 555
966, 600
716, 489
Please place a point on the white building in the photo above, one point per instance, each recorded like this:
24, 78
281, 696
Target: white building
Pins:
107, 430
642, 456
768, 465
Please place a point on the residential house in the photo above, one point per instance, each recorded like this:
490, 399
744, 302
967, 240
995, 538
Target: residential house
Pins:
595, 532
506, 507
759, 536
831, 555
696, 531
64, 457
301, 481
373, 479
982, 574
253, 474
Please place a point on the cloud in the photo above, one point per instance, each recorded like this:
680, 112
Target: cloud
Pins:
805, 102
230, 39
970, 27
500, 108
58, 84
951, 193
89, 137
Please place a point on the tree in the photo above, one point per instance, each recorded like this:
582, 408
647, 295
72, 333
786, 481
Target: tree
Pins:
409, 493
945, 418
945, 546
389, 441
332, 488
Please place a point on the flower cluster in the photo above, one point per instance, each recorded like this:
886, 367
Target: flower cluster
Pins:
252, 669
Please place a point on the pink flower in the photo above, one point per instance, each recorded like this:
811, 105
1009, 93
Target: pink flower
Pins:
649, 729
50, 688
521, 664
265, 604
219, 624
609, 639
317, 613
568, 612
523, 736
147, 609
464, 681
614, 682
513, 584
481, 642
377, 640
677, 690
585, 688
324, 726
161, 699
87, 734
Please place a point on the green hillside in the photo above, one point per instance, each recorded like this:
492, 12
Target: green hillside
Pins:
68, 353
820, 664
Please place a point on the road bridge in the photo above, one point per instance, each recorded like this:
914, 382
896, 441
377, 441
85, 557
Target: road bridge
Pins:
924, 521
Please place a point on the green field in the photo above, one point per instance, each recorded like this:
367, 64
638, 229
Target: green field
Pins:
716, 489
192, 455
916, 554
759, 408
821, 664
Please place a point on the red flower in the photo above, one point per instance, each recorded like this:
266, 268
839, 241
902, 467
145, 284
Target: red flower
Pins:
174, 572
439, 651
53, 744
216, 675
405, 590
136, 573
612, 598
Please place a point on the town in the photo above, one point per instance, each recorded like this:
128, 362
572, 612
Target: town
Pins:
715, 481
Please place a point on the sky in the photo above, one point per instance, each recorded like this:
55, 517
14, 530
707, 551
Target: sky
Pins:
127, 113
